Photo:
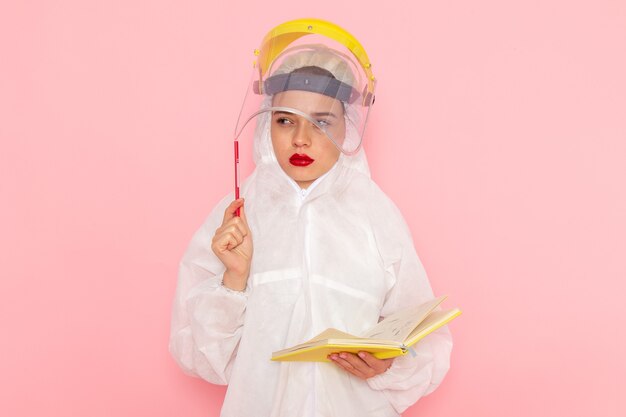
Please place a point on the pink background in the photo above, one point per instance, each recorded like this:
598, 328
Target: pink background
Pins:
499, 130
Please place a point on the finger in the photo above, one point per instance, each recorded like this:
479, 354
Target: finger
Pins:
357, 363
236, 234
226, 242
235, 228
231, 210
223, 231
240, 224
346, 366
241, 221
234, 223
380, 365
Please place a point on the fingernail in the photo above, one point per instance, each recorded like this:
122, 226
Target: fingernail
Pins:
361, 355
343, 355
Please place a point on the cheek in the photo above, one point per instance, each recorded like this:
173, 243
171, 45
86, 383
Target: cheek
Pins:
331, 153
278, 142
338, 132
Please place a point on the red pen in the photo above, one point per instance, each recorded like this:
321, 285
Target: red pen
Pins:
237, 174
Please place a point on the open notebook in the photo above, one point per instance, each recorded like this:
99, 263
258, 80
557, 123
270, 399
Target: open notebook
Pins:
389, 338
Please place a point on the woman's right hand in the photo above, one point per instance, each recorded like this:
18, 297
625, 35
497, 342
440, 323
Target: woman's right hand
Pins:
232, 244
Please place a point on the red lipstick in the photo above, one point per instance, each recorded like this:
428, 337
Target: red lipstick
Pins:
300, 160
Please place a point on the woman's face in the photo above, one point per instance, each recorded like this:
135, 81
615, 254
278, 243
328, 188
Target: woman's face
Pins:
303, 151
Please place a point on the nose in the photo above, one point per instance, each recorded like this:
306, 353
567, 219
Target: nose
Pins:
302, 134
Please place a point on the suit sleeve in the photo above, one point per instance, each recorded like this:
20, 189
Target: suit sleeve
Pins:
418, 373
207, 318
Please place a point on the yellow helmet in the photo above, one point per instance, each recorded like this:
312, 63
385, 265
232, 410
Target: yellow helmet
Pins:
316, 70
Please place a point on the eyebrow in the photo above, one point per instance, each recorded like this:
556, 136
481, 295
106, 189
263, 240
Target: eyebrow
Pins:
325, 114
318, 114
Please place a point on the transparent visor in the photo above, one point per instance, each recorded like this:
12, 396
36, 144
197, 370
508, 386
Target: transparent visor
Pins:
311, 92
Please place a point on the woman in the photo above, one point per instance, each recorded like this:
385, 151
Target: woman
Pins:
317, 245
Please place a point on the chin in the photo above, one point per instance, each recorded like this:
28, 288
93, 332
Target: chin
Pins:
301, 179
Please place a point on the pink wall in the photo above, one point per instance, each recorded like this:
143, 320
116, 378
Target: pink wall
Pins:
499, 130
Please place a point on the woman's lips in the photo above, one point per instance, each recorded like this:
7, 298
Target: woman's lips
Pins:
300, 160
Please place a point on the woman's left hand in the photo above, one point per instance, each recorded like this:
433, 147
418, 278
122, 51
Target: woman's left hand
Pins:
364, 365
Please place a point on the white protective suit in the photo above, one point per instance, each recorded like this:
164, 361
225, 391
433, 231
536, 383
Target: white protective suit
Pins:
338, 254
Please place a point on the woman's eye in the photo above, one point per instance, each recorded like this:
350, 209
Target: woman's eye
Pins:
283, 121
323, 123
